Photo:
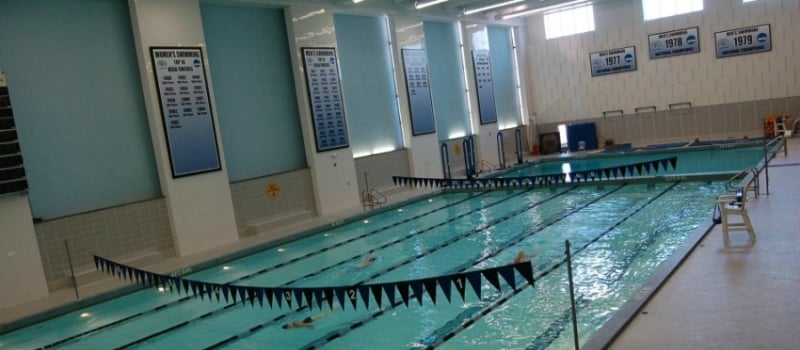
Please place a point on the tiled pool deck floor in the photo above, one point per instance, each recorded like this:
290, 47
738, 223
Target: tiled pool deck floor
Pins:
739, 297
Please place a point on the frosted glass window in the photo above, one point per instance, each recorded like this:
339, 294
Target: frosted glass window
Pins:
447, 80
654, 9
368, 84
569, 21
74, 82
254, 90
505, 85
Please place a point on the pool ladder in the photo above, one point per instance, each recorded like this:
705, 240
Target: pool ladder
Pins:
371, 198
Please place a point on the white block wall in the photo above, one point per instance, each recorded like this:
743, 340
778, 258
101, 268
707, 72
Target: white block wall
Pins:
563, 88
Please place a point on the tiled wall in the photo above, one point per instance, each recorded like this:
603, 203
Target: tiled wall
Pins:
112, 232
704, 122
380, 168
563, 88
251, 202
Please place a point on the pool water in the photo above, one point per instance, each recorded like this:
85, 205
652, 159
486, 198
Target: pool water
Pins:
619, 235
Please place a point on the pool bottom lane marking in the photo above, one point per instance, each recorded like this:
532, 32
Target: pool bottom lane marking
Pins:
434, 248
260, 272
280, 317
503, 299
322, 340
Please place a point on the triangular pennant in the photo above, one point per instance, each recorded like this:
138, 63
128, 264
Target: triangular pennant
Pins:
232, 292
242, 294
615, 171
563, 178
638, 169
193, 287
630, 170
444, 284
225, 293
319, 297
151, 278
329, 296
655, 165
507, 272
352, 295
674, 162
340, 295
96, 262
209, 290
364, 291
259, 294
141, 277
388, 288
526, 270
474, 279
622, 171
664, 162
394, 179
460, 280
277, 294
287, 297
112, 268
430, 287
646, 167
185, 284
251, 294
298, 296
376, 293
402, 287
416, 287
607, 172
308, 293
491, 276
201, 290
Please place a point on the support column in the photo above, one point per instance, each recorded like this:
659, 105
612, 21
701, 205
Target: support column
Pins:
21, 271
476, 37
423, 150
200, 206
333, 173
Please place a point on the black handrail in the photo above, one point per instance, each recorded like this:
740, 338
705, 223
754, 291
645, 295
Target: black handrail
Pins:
446, 172
518, 137
501, 150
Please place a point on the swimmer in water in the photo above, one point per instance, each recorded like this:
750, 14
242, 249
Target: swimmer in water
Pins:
366, 262
307, 322
521, 258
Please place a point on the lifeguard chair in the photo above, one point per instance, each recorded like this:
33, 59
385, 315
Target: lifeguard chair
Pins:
735, 205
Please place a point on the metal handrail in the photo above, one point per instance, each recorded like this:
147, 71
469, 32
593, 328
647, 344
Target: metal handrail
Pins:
518, 139
373, 198
487, 164
501, 150
748, 176
446, 171
469, 156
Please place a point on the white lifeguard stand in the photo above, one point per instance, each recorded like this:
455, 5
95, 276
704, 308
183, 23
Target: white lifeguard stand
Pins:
735, 205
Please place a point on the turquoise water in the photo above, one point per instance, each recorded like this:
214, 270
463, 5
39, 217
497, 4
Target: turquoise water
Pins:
619, 233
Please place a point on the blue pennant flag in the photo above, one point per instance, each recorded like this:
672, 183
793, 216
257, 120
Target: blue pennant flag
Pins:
507, 272
211, 289
563, 178
655, 165
430, 287
474, 279
638, 168
615, 171
185, 284
460, 280
607, 172
394, 179
340, 295
193, 286
287, 297
226, 290
491, 276
242, 294
319, 297
352, 295
402, 287
416, 287
647, 167
329, 297
277, 294
630, 170
388, 288
376, 293
201, 291
308, 293
622, 171
298, 296
364, 291
664, 162
256, 294
96, 262
444, 284
112, 268
674, 162
526, 270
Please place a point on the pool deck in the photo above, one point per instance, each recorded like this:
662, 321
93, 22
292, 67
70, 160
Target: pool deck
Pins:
740, 297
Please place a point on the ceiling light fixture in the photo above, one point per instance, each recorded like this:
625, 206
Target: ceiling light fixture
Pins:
468, 12
423, 4
543, 9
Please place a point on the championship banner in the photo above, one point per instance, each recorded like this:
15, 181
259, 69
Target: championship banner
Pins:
291, 297
186, 110
419, 91
610, 173
482, 68
325, 95
613, 61
743, 41
674, 43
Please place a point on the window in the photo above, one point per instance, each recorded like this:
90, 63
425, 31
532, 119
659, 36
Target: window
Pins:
568, 21
654, 9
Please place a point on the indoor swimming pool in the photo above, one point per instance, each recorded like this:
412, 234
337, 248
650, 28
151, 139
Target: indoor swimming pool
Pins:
619, 232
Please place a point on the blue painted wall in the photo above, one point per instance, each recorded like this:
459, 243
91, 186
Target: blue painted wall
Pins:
505, 85
74, 82
248, 55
